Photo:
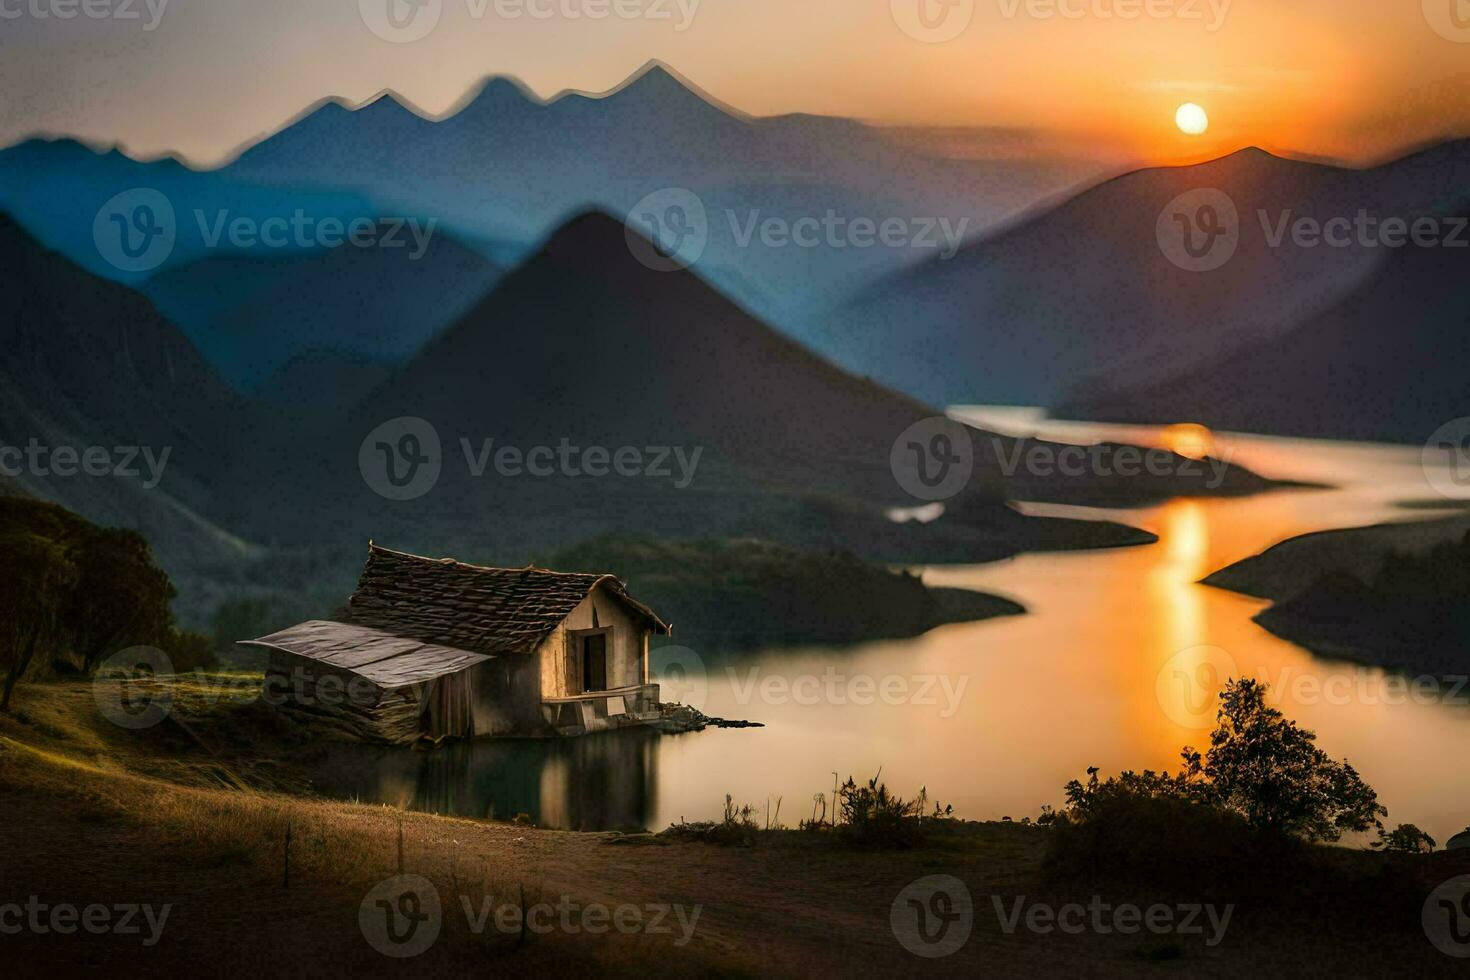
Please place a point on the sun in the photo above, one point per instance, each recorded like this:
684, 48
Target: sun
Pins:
1191, 119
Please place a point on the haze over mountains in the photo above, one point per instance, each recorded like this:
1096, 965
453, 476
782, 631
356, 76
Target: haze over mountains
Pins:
1085, 289
1388, 362
506, 169
582, 344
1062, 307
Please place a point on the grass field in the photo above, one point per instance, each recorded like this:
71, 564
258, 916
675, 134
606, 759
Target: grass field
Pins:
194, 813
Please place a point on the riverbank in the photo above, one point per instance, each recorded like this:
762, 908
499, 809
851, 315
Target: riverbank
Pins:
1390, 595
93, 814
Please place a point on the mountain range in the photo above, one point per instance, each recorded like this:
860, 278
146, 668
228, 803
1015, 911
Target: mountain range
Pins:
1086, 290
1386, 363
582, 343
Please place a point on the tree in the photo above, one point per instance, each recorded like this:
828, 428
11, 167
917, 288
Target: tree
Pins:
122, 598
1405, 839
1264, 767
36, 579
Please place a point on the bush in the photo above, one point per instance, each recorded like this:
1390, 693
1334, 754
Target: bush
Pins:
872, 817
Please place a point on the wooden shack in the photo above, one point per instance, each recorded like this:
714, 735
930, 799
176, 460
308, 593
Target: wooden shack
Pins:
436, 648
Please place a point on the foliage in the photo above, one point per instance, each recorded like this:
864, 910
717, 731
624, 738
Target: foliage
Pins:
1405, 839
1260, 767
37, 577
873, 817
121, 599
1263, 766
71, 589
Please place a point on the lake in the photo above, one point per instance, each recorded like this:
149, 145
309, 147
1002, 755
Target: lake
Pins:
1116, 665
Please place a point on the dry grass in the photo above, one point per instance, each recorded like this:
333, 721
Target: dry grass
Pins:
196, 815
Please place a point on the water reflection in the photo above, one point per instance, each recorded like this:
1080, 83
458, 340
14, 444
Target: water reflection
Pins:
1116, 665
597, 782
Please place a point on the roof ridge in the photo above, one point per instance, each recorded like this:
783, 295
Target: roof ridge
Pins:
488, 568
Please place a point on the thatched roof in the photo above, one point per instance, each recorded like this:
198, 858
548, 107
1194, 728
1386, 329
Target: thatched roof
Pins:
387, 660
473, 608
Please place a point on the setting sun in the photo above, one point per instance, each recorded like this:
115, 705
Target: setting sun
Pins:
1191, 119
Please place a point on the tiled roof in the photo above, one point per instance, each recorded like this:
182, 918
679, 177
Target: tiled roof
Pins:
469, 607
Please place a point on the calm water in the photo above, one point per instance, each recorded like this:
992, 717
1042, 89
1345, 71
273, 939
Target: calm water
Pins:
995, 717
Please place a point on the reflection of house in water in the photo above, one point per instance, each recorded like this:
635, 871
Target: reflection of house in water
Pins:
601, 782
435, 648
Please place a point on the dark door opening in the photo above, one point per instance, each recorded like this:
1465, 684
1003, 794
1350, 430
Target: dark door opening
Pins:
594, 662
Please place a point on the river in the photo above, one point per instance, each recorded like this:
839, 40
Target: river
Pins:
1115, 665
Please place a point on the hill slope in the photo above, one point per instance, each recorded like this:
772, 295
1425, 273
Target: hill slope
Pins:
1387, 363
1086, 289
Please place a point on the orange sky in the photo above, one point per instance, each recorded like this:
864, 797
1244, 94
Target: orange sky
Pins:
1352, 79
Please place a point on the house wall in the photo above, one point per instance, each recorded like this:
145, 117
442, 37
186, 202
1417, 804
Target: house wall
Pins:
560, 667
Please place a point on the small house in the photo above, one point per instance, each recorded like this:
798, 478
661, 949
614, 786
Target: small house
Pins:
435, 648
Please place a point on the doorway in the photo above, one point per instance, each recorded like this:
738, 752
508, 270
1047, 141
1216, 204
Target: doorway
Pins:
594, 662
